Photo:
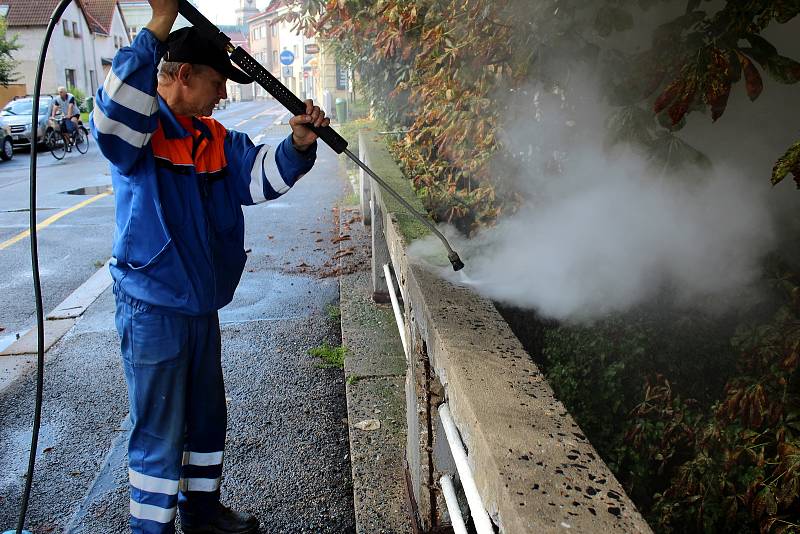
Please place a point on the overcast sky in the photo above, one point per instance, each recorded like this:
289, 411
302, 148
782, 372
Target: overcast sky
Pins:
222, 12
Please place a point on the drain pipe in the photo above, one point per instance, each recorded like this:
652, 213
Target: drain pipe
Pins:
456, 519
483, 525
398, 317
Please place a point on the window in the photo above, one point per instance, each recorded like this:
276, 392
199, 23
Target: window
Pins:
274, 58
274, 30
75, 32
69, 75
93, 80
65, 25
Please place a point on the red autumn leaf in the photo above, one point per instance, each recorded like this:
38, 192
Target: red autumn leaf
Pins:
718, 99
753, 81
677, 110
670, 93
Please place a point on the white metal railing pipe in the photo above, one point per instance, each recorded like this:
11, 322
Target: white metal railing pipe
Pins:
483, 525
456, 519
398, 316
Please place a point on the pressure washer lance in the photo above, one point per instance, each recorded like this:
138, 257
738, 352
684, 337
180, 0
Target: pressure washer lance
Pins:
282, 94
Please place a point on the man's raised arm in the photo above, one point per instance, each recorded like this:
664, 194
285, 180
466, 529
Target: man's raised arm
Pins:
125, 115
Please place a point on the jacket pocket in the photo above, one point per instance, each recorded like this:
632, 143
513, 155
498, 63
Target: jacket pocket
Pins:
146, 237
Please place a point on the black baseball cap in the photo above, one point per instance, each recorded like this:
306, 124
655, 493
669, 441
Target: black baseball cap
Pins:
188, 45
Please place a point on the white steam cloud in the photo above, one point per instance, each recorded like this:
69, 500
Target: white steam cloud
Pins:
606, 234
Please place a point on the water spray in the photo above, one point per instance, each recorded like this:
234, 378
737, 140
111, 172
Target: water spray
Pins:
283, 95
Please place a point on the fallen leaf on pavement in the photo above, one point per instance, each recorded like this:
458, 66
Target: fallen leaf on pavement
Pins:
340, 239
342, 253
368, 424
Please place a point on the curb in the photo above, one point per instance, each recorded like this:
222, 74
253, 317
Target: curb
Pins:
20, 356
375, 376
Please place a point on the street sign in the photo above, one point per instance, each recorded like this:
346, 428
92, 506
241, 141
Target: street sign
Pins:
287, 58
312, 48
288, 72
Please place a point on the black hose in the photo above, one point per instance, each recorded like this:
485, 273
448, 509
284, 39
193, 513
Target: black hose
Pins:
37, 286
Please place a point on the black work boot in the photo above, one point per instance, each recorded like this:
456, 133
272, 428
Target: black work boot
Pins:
226, 522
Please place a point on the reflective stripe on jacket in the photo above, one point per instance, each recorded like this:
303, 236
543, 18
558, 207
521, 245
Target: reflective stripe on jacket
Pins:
179, 185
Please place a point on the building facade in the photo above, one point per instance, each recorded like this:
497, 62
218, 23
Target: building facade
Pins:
81, 48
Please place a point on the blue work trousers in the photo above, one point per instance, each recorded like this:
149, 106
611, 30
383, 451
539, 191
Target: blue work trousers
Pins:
177, 406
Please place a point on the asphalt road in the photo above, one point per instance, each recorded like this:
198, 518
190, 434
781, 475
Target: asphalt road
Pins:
287, 456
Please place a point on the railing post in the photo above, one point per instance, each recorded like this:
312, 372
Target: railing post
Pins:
364, 189
380, 251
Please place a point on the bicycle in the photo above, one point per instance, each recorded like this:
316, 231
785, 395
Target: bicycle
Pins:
57, 141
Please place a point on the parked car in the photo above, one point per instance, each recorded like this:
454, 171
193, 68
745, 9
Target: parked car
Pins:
7, 149
222, 104
16, 114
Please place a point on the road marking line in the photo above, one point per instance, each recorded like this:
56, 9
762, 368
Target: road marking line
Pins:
53, 218
269, 111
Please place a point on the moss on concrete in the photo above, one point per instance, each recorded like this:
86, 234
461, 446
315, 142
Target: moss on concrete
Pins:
382, 162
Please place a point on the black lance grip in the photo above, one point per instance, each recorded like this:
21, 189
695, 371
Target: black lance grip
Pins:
282, 94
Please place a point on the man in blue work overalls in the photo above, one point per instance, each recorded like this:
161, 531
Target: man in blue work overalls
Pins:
180, 179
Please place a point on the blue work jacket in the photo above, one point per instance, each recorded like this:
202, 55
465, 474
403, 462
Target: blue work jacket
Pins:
179, 186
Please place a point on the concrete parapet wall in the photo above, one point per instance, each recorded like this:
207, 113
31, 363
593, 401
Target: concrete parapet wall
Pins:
533, 466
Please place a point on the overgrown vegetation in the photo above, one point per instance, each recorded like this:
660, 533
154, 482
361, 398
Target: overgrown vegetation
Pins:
437, 66
698, 416
333, 312
332, 357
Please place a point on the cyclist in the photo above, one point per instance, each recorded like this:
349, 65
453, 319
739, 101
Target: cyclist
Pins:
66, 104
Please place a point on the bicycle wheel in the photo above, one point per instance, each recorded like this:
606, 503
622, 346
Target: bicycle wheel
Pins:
57, 144
81, 140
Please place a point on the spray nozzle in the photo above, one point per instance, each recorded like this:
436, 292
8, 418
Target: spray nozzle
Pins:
455, 260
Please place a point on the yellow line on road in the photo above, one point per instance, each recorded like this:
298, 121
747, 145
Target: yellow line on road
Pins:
259, 115
53, 218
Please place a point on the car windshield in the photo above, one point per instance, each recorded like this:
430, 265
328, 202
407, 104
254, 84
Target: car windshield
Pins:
25, 106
